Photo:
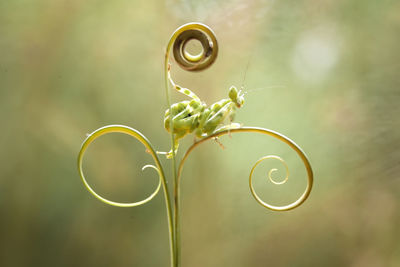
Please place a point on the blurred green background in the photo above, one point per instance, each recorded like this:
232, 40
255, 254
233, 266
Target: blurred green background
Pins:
323, 73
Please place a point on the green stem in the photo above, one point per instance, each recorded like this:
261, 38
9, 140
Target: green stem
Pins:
191, 63
177, 221
176, 245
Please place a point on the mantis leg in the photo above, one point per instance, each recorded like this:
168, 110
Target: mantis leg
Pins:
221, 113
216, 139
217, 117
183, 114
180, 89
233, 125
176, 144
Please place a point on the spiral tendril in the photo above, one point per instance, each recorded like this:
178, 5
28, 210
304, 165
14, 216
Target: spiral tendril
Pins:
194, 31
137, 135
253, 192
282, 138
274, 169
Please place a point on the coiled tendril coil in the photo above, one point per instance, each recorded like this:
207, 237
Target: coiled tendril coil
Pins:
194, 31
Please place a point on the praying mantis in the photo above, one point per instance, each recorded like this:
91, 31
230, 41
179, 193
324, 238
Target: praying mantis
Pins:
194, 116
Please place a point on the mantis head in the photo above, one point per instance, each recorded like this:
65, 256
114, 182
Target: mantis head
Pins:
236, 96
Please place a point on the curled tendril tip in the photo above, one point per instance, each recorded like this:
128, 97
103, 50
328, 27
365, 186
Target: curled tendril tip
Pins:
125, 130
194, 31
278, 136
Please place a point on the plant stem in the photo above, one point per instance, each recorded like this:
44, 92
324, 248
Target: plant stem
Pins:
210, 55
173, 232
177, 222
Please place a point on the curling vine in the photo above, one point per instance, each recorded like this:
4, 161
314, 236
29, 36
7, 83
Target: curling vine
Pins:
205, 122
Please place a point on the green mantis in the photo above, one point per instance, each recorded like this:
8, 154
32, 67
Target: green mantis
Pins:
193, 116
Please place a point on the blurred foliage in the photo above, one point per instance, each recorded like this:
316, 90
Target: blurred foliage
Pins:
324, 73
